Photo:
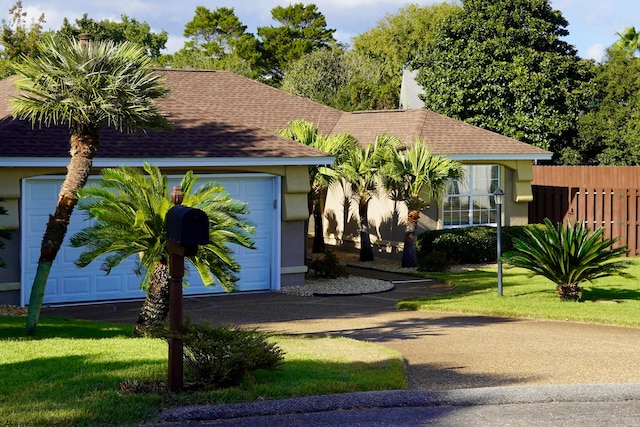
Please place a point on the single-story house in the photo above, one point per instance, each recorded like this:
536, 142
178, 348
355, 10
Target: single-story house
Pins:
224, 129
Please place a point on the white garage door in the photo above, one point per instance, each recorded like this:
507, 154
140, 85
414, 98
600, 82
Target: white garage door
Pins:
68, 283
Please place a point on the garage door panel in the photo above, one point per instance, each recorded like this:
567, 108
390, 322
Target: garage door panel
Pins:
68, 283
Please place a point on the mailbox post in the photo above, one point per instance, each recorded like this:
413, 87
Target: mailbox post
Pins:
187, 228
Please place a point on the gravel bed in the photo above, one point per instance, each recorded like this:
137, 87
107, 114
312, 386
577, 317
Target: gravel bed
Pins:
351, 285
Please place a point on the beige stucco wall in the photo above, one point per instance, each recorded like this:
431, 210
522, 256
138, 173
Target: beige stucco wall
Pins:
388, 219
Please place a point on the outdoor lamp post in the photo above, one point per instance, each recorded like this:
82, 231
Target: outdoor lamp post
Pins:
498, 195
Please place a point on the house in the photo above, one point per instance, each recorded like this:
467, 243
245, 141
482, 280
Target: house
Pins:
224, 130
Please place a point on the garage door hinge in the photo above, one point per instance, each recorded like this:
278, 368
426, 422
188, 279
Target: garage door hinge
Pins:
275, 203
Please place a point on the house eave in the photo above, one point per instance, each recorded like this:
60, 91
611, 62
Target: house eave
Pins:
498, 157
34, 162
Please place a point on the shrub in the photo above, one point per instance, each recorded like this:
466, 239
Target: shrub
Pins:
568, 256
328, 266
221, 356
437, 262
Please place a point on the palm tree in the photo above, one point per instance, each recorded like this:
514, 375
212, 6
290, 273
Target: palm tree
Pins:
361, 170
130, 208
416, 177
628, 42
321, 177
86, 86
568, 256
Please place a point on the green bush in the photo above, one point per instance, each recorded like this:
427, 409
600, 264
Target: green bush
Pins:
221, 356
437, 262
328, 266
469, 245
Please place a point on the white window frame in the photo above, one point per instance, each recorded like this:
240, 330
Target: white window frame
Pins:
479, 207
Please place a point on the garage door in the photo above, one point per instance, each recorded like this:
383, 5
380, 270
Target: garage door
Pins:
69, 284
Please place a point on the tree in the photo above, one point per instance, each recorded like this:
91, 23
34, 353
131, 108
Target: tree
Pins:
396, 40
361, 170
608, 131
85, 86
321, 176
217, 41
416, 177
128, 29
502, 65
302, 29
629, 42
18, 38
568, 256
129, 208
345, 80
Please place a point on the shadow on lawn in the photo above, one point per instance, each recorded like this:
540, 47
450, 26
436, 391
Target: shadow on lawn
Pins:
49, 327
609, 294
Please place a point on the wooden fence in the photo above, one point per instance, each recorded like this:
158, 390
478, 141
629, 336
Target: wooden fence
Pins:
598, 195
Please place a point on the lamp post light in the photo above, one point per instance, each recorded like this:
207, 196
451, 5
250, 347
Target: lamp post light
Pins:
498, 195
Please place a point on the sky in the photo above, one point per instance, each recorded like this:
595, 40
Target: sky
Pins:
593, 24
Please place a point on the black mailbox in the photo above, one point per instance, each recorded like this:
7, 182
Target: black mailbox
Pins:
187, 226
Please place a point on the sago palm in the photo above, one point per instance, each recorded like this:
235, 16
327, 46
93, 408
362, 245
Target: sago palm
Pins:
129, 210
321, 177
416, 177
85, 86
568, 256
362, 169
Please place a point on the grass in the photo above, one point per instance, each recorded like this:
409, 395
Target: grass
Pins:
612, 300
70, 373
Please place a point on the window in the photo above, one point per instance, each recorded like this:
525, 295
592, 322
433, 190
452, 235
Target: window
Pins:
469, 201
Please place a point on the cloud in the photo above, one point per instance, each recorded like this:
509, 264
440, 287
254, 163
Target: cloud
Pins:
596, 52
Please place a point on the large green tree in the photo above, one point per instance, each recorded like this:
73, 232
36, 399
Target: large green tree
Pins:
398, 38
321, 177
128, 29
87, 87
19, 38
129, 207
502, 65
628, 42
302, 29
417, 178
609, 130
346, 80
217, 40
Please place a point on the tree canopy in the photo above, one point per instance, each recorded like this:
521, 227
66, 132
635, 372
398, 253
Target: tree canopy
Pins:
302, 29
503, 66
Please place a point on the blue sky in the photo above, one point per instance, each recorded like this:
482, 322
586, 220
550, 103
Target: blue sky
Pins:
592, 23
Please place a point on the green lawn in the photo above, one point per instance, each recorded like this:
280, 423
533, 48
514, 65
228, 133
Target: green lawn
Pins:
70, 373
612, 300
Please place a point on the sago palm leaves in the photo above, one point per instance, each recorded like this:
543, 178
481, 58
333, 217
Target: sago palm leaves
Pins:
129, 210
567, 256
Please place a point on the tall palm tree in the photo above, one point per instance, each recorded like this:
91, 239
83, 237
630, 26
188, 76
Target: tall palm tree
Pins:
416, 177
130, 208
86, 86
361, 170
321, 177
629, 41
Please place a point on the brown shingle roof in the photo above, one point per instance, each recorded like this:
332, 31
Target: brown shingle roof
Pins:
443, 134
217, 114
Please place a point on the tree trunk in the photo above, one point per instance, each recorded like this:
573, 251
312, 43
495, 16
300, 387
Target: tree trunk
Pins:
409, 254
83, 149
366, 251
318, 223
155, 307
570, 292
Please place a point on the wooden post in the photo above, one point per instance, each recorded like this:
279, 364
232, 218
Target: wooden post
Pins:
175, 380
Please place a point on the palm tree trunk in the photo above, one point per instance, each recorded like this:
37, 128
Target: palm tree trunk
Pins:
83, 149
569, 292
318, 223
409, 254
366, 251
155, 307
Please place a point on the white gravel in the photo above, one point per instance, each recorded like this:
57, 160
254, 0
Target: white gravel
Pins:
351, 285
